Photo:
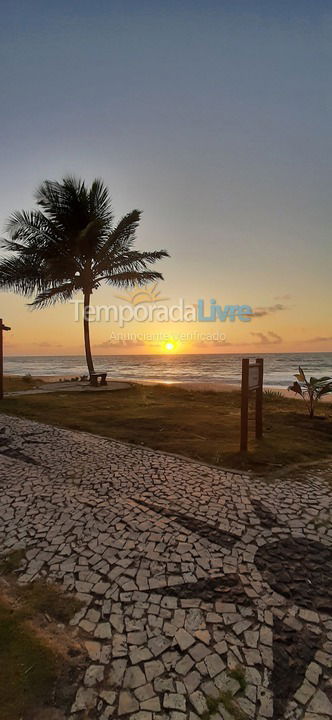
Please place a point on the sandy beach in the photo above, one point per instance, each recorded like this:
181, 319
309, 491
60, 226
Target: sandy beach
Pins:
216, 387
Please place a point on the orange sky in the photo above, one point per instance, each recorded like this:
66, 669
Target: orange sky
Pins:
282, 324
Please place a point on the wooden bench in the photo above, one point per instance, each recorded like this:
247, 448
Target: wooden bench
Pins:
94, 379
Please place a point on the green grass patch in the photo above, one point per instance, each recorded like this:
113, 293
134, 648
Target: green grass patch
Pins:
28, 669
227, 700
39, 596
212, 705
201, 425
11, 562
13, 383
43, 597
238, 674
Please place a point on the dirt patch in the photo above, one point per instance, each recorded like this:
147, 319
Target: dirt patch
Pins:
42, 661
49, 599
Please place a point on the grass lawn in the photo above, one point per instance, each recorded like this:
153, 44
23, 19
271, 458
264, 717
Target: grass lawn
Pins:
14, 383
36, 671
28, 668
200, 425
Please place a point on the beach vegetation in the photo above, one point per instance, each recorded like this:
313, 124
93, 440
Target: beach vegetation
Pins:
311, 390
238, 673
29, 668
17, 383
47, 598
40, 659
202, 425
11, 561
225, 700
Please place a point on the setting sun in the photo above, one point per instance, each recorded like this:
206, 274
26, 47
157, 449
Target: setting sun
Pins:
169, 346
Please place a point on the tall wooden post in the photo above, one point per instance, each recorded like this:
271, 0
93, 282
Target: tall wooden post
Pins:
259, 400
244, 405
2, 328
252, 381
1, 360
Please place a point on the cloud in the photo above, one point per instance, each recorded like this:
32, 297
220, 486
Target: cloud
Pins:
320, 339
271, 338
210, 343
287, 296
47, 344
120, 343
262, 311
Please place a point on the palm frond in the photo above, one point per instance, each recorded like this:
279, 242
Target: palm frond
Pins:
21, 275
58, 293
72, 207
11, 245
146, 257
121, 237
90, 238
132, 260
133, 277
66, 204
100, 202
117, 253
31, 228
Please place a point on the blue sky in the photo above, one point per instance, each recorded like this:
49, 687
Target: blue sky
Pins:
214, 118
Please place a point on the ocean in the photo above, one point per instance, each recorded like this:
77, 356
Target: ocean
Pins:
279, 368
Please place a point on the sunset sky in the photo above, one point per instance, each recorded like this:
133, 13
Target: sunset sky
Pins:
211, 116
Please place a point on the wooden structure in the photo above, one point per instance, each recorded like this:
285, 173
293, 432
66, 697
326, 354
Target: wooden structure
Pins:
94, 379
2, 328
252, 381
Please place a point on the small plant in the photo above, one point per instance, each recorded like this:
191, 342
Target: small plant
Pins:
27, 378
227, 700
11, 562
212, 705
273, 395
311, 390
238, 674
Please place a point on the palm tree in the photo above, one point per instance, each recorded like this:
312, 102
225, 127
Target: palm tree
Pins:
71, 244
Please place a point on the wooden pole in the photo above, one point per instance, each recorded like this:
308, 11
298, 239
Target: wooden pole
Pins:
1, 359
2, 328
244, 404
259, 400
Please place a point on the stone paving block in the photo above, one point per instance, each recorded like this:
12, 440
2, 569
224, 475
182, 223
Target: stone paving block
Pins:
174, 700
168, 612
127, 703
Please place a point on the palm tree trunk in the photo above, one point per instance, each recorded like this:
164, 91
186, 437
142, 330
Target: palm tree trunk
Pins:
86, 326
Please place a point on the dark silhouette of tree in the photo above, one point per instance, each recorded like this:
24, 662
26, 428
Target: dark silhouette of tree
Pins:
71, 244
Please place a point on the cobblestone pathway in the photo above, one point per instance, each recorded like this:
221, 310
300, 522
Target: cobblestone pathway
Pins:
205, 591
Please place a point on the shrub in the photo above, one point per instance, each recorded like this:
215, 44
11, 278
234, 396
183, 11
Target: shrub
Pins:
311, 390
